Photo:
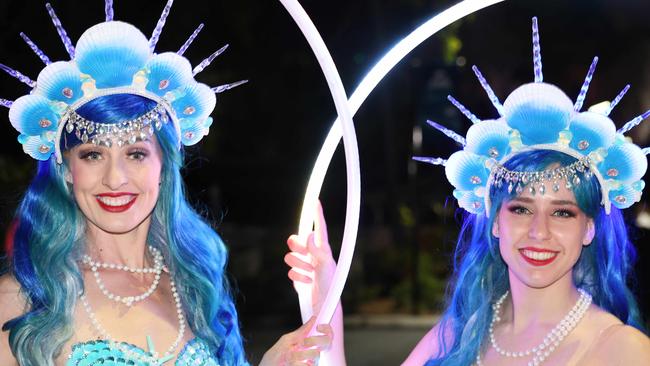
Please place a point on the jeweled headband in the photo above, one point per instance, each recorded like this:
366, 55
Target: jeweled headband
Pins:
111, 58
539, 116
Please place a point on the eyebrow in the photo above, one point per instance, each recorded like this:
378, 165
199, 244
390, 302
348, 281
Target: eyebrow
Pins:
555, 202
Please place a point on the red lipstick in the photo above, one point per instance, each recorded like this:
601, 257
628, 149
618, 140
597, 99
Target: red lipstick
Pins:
116, 195
538, 257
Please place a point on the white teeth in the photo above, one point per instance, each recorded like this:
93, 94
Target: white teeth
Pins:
538, 256
116, 201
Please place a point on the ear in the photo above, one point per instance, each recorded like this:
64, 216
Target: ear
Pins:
495, 228
68, 176
590, 232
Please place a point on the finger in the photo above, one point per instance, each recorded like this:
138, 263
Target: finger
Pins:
296, 244
304, 355
299, 277
296, 262
320, 227
319, 341
325, 329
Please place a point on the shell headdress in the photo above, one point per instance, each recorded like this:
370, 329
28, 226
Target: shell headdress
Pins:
112, 57
539, 116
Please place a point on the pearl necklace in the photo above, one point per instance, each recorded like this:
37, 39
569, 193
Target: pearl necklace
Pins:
127, 300
153, 359
552, 339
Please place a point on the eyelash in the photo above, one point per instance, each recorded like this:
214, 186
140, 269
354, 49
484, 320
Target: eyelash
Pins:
521, 210
90, 155
138, 154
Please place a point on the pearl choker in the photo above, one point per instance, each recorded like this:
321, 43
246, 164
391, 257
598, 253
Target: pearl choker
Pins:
127, 300
551, 341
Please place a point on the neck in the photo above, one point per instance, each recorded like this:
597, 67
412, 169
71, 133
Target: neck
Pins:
128, 249
529, 306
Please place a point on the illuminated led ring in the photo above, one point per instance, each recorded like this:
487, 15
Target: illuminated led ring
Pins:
338, 130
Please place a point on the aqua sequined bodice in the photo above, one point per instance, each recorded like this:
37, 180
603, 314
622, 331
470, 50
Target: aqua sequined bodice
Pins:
195, 353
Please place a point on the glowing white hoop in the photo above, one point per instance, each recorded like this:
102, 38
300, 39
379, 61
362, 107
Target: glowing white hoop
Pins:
343, 127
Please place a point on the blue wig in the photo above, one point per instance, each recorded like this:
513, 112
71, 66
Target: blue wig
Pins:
50, 240
481, 276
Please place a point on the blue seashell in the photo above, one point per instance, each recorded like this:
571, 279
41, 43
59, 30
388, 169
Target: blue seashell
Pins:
591, 131
624, 162
489, 138
470, 202
60, 81
625, 196
196, 103
37, 147
111, 53
32, 115
466, 171
168, 71
539, 111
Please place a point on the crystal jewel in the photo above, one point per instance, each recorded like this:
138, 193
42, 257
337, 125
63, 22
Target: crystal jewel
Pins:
67, 92
45, 123
163, 84
612, 172
583, 144
475, 179
189, 110
44, 149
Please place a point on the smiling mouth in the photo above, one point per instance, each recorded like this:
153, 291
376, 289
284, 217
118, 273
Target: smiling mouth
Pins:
538, 257
116, 203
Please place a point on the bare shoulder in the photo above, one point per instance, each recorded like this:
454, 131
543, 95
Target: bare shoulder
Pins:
12, 304
626, 345
428, 346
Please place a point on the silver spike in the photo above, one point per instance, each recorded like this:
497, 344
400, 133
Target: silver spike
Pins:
189, 41
433, 161
208, 60
108, 8
463, 110
537, 53
585, 86
646, 150
617, 99
634, 122
35, 48
488, 89
6, 103
224, 87
62, 33
18, 75
449, 133
159, 26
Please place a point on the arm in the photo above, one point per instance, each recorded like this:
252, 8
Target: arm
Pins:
12, 305
320, 271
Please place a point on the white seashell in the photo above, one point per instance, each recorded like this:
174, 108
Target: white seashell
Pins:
32, 115
539, 111
36, 147
466, 171
591, 131
624, 162
489, 138
60, 81
168, 71
111, 53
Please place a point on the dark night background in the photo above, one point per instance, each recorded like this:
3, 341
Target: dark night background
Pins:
250, 173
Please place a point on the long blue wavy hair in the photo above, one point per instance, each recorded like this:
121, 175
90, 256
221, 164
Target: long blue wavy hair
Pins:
50, 239
481, 276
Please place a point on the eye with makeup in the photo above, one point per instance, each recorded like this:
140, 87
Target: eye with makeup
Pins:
89, 154
565, 213
137, 153
518, 209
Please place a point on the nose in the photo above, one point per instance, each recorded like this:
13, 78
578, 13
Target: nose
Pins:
538, 229
115, 175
